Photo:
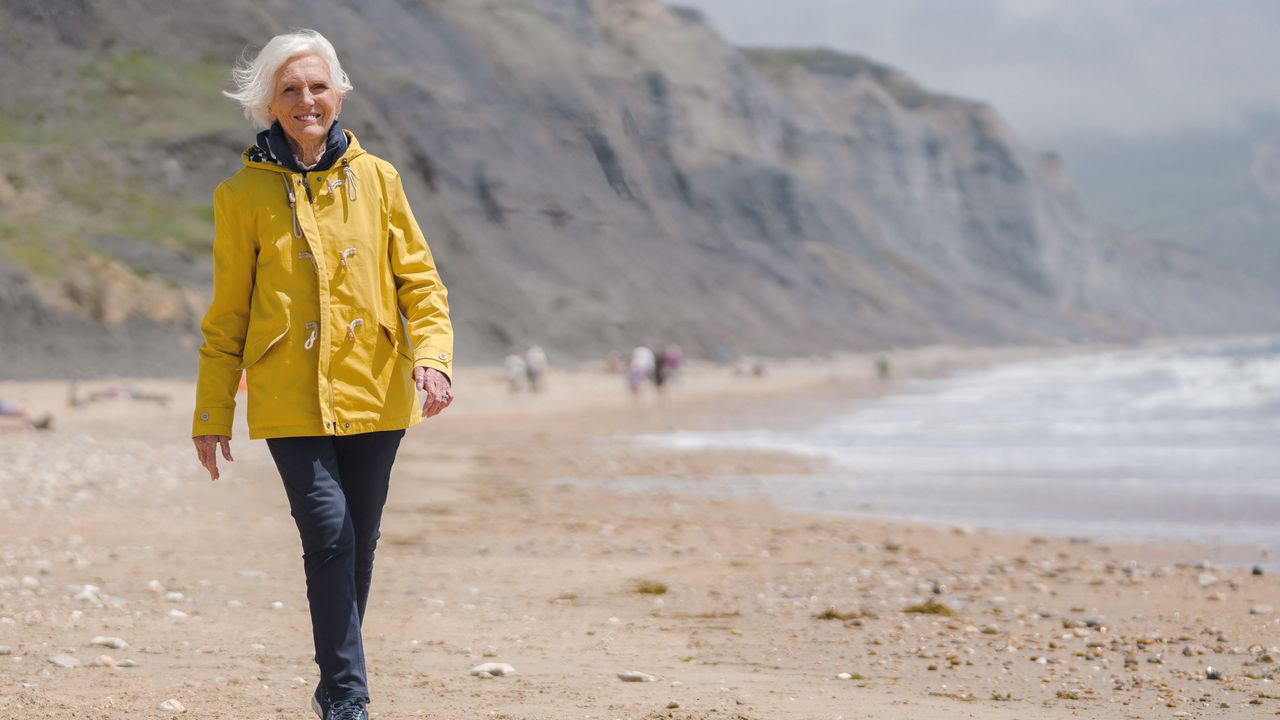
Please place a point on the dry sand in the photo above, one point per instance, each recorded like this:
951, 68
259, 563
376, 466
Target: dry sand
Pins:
490, 553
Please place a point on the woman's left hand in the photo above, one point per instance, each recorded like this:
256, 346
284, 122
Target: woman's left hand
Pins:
437, 386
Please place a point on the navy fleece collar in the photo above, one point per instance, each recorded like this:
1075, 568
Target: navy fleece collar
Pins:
275, 147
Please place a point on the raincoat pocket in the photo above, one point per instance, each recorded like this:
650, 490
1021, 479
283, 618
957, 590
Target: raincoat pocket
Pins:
258, 343
395, 334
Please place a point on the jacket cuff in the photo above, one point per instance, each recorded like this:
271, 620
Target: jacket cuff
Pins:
435, 357
212, 421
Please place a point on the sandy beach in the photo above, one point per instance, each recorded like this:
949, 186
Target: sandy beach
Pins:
504, 541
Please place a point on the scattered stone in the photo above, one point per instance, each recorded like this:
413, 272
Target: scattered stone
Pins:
126, 663
253, 574
30, 583
177, 614
673, 705
155, 587
1257, 570
89, 593
277, 605
1193, 650
1260, 609
103, 661
1211, 674
65, 661
635, 676
844, 676
1206, 579
174, 596
490, 651
173, 706
257, 647
114, 643
493, 669
5, 650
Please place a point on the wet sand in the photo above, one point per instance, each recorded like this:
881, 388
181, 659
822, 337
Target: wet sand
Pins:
498, 546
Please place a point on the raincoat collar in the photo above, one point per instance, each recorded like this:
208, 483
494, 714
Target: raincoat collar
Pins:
271, 150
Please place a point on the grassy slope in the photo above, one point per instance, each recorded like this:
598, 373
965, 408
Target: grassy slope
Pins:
84, 154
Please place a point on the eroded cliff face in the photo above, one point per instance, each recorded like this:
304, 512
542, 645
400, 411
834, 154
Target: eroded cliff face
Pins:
597, 174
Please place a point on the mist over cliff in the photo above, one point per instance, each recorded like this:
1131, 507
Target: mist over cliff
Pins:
591, 175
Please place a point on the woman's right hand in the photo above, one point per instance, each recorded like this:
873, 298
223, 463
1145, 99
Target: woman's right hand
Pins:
207, 451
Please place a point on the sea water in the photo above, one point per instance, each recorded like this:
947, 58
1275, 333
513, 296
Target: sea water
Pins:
1170, 443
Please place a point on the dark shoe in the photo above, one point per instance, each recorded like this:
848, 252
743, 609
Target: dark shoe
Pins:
349, 709
319, 702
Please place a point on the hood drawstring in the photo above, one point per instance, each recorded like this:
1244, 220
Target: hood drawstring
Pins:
304, 255
293, 205
348, 253
351, 328
350, 179
314, 327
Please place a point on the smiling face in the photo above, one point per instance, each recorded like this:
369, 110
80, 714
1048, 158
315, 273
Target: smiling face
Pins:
305, 101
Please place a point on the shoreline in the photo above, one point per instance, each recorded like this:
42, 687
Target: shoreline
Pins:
484, 556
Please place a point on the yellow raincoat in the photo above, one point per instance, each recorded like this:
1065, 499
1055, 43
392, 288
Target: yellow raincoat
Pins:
310, 278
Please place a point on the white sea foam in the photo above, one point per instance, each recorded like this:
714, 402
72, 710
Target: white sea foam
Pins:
1171, 442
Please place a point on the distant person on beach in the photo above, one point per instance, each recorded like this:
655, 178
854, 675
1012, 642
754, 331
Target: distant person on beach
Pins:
640, 369
535, 365
665, 365
516, 370
18, 416
883, 370
316, 255
661, 371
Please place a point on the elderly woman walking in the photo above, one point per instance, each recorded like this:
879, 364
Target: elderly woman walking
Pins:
316, 258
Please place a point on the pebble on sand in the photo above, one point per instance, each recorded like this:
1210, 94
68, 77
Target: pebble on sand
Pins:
635, 676
493, 669
1260, 609
173, 706
65, 661
114, 643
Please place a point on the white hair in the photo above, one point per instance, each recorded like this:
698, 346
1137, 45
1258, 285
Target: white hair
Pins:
255, 78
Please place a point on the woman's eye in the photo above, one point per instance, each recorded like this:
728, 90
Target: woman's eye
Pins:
319, 88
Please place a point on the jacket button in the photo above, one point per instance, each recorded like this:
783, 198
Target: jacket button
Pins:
204, 416
346, 426
326, 425
443, 356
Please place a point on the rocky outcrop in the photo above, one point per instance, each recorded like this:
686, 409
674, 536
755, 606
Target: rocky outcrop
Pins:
597, 174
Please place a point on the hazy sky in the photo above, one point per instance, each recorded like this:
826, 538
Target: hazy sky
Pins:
1051, 67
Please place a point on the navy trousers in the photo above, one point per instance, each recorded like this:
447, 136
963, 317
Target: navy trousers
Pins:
337, 487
